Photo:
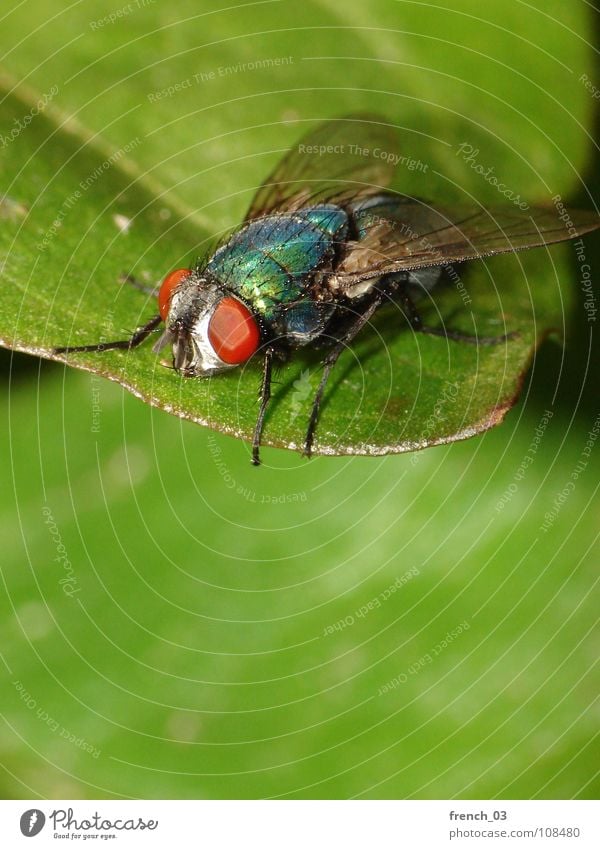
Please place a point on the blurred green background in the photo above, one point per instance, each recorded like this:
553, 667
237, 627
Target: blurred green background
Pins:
230, 632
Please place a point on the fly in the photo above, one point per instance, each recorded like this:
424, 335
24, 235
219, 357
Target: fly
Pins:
323, 246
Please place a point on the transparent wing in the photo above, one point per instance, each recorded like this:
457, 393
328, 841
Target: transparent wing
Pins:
348, 157
418, 235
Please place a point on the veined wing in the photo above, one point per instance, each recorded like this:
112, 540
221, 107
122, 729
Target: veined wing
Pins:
347, 157
418, 235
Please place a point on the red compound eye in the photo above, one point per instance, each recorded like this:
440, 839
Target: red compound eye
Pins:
233, 332
166, 290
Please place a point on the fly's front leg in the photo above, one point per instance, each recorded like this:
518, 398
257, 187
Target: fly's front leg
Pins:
264, 395
131, 280
331, 359
136, 339
416, 323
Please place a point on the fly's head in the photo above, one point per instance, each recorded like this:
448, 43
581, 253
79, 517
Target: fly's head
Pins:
209, 330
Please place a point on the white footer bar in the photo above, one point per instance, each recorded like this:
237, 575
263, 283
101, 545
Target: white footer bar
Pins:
301, 824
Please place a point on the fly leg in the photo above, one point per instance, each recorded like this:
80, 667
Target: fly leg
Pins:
136, 339
137, 284
331, 359
416, 323
264, 395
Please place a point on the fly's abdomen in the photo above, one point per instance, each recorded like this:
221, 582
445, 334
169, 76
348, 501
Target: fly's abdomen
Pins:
269, 262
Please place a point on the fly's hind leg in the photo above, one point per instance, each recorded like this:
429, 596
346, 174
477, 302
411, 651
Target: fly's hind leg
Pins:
330, 360
416, 323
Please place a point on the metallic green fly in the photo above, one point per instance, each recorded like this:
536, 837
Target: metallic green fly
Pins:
324, 245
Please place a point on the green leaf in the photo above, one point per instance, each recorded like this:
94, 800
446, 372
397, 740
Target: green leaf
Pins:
78, 216
207, 653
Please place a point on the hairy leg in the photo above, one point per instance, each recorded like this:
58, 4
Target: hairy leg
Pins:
136, 339
331, 359
264, 395
416, 323
137, 284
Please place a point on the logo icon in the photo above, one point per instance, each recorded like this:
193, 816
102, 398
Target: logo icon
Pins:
32, 822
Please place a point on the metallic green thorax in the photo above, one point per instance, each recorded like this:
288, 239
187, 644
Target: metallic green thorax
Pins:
268, 262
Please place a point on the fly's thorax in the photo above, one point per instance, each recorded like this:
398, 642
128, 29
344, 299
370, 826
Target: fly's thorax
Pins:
271, 260
210, 330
